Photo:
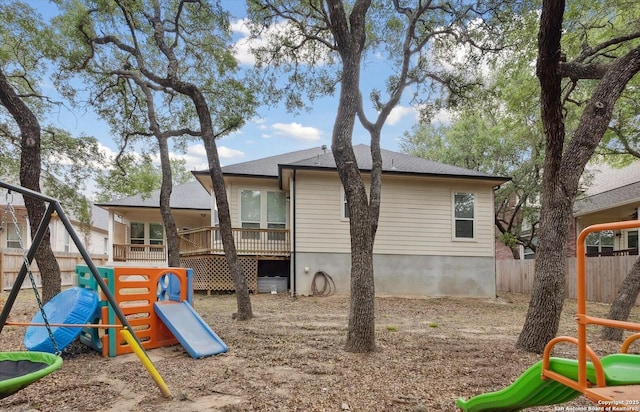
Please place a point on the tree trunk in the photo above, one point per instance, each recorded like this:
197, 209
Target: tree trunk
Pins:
208, 135
548, 293
350, 38
30, 164
243, 299
624, 302
173, 245
562, 171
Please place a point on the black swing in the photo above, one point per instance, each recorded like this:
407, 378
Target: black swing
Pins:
20, 369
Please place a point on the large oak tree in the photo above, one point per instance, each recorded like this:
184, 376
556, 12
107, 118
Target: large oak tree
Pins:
32, 152
610, 63
182, 51
323, 43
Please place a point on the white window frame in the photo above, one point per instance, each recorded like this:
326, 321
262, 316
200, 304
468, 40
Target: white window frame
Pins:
264, 213
155, 241
344, 207
13, 235
454, 218
67, 241
146, 234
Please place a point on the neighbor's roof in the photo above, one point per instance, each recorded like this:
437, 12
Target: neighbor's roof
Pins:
319, 158
610, 187
604, 177
190, 195
619, 196
99, 217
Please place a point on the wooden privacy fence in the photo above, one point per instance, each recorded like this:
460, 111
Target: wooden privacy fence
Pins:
11, 261
604, 276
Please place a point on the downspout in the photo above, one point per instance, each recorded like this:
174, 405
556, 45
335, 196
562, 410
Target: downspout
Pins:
293, 233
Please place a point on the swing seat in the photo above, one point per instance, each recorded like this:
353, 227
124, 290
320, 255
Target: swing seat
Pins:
20, 369
73, 306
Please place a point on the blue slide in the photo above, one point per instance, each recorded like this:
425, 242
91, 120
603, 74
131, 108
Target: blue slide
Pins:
190, 329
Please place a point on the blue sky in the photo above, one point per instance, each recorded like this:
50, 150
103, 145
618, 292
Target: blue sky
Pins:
272, 131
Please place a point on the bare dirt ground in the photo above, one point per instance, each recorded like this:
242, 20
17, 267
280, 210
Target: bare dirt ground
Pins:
290, 357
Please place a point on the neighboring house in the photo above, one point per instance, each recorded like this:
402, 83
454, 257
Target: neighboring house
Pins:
614, 195
290, 220
610, 195
17, 234
136, 231
15, 240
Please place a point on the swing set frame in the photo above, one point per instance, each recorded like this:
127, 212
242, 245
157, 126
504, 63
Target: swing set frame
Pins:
54, 206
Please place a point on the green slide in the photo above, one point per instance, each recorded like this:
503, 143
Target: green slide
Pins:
530, 390
525, 392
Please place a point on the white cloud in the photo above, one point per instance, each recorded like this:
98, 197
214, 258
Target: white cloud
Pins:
196, 156
240, 27
442, 116
297, 131
245, 44
229, 154
398, 112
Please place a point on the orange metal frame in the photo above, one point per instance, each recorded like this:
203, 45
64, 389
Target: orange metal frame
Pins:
582, 320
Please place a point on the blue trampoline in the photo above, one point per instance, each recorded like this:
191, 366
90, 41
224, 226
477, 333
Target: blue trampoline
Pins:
75, 306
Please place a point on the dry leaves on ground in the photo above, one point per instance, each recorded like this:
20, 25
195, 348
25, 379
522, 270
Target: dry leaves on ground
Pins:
290, 357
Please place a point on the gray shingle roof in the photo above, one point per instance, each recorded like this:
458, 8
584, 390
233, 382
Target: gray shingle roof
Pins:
394, 162
268, 166
319, 158
619, 196
190, 195
606, 177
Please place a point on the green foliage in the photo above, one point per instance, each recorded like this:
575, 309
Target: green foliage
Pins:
497, 129
136, 175
113, 49
28, 47
203, 57
392, 328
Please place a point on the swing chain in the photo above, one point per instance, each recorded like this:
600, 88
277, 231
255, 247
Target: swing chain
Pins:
9, 207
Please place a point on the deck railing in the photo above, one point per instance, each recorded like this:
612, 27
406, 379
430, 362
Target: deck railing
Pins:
620, 252
208, 240
139, 253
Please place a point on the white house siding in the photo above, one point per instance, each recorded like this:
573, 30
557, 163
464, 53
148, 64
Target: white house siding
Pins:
415, 253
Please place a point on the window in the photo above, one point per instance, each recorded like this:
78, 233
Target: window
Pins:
632, 239
599, 243
137, 233
276, 214
464, 215
345, 206
67, 244
250, 213
13, 236
156, 234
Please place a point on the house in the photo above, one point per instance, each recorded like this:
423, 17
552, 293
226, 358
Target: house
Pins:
435, 235
613, 195
16, 234
136, 230
15, 239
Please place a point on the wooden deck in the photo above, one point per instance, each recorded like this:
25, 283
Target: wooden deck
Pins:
249, 242
265, 243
